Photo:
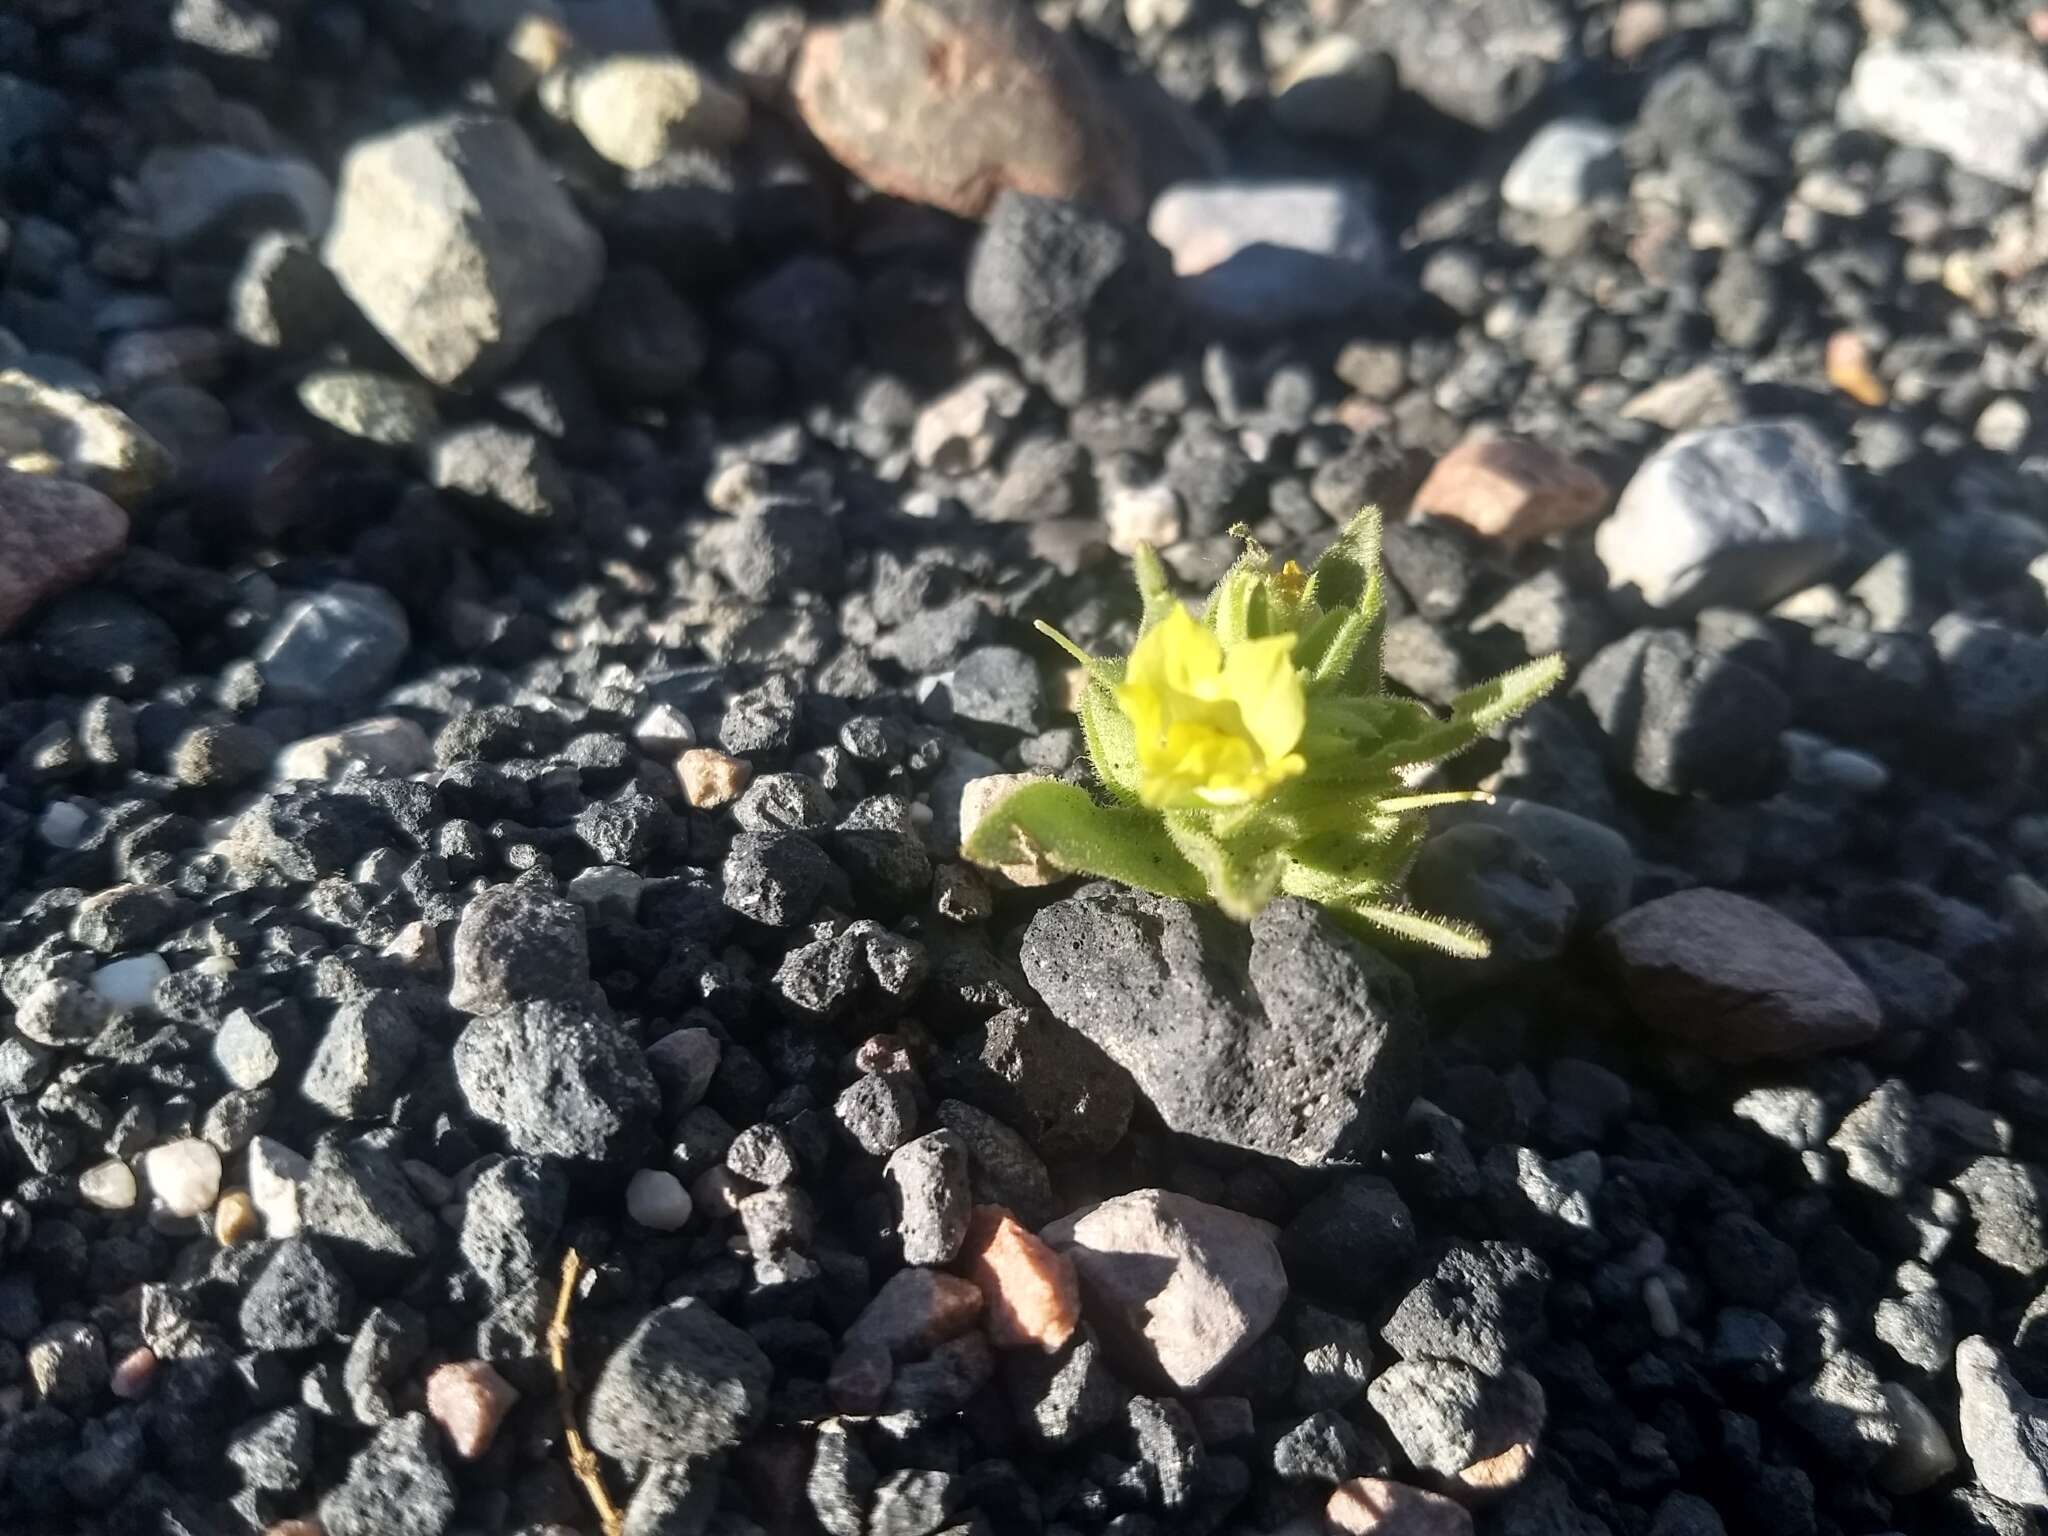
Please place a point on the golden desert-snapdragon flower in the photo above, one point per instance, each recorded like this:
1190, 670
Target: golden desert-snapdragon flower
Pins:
1214, 727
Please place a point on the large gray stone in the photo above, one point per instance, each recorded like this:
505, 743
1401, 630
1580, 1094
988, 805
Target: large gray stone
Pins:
1480, 61
454, 240
1987, 111
1176, 1288
684, 1383
1288, 1038
1265, 256
1737, 516
2005, 1428
336, 645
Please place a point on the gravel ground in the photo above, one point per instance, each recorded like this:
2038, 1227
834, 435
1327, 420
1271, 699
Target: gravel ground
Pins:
518, 541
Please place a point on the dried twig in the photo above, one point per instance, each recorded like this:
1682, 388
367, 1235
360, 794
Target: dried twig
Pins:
582, 1459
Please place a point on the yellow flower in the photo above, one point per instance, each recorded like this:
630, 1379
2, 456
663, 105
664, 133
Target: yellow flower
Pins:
1213, 728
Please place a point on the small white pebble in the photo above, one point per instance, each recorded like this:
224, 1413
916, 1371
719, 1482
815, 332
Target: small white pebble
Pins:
184, 1176
215, 965
63, 824
109, 1185
1657, 1302
665, 728
658, 1200
130, 983
275, 1173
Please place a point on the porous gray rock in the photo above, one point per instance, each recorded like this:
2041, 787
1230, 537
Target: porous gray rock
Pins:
1288, 1038
684, 1383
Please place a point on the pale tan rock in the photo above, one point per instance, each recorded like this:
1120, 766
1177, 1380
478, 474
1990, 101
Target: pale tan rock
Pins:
1372, 1506
635, 109
1639, 25
711, 778
1031, 1292
948, 102
977, 798
295, 1528
1511, 489
235, 1220
59, 431
416, 947
469, 1400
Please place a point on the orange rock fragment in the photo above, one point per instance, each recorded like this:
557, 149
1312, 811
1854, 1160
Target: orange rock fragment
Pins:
1033, 1295
1849, 370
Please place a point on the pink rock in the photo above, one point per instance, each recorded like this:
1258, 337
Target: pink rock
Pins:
1033, 1295
135, 1374
469, 1400
53, 534
1176, 1287
948, 102
1371, 1506
1510, 489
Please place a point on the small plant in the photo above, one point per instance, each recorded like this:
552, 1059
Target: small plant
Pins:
1254, 751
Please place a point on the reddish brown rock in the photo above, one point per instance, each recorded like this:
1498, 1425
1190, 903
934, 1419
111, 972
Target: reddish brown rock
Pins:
1033, 1296
469, 1400
53, 534
1511, 489
1733, 979
948, 102
1372, 1506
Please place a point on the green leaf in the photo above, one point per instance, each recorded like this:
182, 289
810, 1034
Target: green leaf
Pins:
1155, 591
1348, 574
1477, 711
1242, 872
1460, 940
1107, 671
1341, 651
1360, 865
1063, 825
1230, 610
1112, 743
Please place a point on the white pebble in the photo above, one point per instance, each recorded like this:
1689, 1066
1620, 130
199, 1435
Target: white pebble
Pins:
183, 1175
658, 1200
63, 824
665, 728
109, 1185
275, 1173
130, 983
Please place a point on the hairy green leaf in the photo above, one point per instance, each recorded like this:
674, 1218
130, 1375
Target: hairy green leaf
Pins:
1063, 825
1112, 743
1155, 591
1454, 938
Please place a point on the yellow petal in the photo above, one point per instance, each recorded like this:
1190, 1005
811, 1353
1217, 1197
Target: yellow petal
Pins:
1259, 677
